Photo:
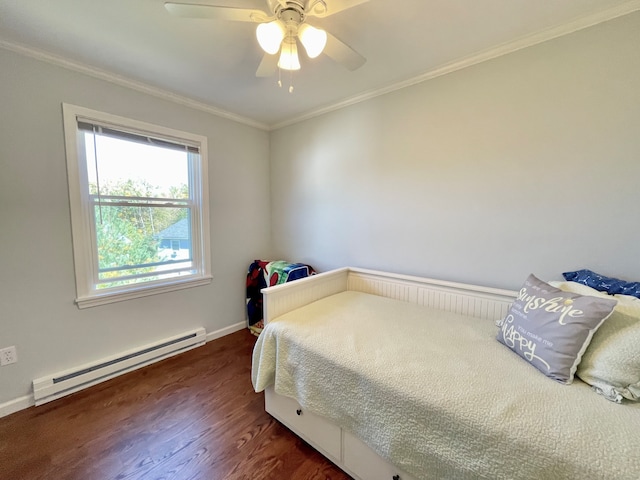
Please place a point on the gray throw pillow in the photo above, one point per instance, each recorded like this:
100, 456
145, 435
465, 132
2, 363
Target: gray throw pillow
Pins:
551, 328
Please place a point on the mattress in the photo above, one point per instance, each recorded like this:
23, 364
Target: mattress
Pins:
435, 394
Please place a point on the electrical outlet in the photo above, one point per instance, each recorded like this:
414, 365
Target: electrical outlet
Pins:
8, 356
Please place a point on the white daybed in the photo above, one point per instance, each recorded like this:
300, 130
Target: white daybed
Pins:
398, 377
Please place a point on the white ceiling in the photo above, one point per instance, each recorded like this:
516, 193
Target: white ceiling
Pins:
211, 64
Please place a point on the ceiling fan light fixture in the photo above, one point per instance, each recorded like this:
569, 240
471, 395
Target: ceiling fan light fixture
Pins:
270, 36
289, 55
313, 39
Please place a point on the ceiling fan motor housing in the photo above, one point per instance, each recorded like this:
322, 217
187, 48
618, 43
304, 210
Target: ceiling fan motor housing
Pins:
292, 15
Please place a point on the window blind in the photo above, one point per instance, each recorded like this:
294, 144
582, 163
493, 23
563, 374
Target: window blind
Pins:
139, 137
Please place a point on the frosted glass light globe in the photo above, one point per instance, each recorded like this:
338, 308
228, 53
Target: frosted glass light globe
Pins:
313, 39
270, 36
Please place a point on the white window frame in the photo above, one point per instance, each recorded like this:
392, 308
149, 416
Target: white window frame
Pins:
84, 249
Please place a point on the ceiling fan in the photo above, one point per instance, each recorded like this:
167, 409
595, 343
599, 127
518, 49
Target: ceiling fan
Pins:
279, 28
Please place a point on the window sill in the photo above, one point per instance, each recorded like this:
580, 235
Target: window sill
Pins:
143, 291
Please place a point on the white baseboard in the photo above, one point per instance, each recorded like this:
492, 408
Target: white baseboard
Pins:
21, 403
13, 406
226, 331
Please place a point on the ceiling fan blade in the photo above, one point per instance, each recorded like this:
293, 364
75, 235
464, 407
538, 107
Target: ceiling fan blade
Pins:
343, 53
267, 66
216, 12
321, 9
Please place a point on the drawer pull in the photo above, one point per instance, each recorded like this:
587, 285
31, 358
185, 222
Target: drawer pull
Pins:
396, 477
298, 412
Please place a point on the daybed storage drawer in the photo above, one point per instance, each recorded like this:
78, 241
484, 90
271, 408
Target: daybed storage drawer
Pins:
321, 434
366, 464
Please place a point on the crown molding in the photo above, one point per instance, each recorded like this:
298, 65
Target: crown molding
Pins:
530, 40
127, 82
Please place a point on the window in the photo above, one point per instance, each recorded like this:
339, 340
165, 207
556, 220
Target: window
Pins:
139, 207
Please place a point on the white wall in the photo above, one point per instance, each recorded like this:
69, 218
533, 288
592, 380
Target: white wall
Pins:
526, 163
37, 286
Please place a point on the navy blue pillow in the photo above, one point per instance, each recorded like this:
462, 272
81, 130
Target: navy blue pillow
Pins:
612, 286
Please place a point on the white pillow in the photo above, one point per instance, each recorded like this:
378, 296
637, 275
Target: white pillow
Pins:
611, 363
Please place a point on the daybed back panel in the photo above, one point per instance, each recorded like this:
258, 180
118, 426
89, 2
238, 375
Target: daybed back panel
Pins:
480, 307
396, 289
485, 303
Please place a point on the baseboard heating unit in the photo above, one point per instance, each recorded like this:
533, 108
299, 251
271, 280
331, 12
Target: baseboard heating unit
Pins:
69, 381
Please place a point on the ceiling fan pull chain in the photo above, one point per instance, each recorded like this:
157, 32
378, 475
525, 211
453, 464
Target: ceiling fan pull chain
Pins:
290, 79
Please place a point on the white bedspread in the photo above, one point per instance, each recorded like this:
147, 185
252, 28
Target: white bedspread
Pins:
435, 394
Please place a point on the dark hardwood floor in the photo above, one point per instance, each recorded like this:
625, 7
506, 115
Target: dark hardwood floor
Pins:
193, 416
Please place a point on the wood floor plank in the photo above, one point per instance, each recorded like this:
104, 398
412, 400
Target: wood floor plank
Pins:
191, 417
